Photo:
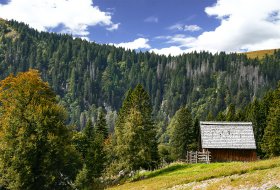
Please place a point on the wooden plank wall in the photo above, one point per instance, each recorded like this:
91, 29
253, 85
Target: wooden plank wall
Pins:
228, 155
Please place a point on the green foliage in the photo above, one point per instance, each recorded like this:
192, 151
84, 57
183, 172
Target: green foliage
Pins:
230, 115
164, 153
91, 145
136, 145
181, 132
86, 75
210, 117
221, 116
101, 125
271, 138
274, 188
257, 114
35, 143
83, 182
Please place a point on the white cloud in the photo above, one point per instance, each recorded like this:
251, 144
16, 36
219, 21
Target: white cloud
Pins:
74, 16
176, 27
113, 27
244, 24
181, 27
192, 28
85, 38
173, 50
152, 19
136, 44
181, 40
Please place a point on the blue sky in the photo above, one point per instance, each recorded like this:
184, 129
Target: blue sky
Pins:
163, 26
151, 18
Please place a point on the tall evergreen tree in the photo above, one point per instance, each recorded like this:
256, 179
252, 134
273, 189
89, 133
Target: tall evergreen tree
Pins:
271, 139
91, 145
210, 116
181, 133
230, 114
220, 116
123, 111
259, 119
101, 125
136, 145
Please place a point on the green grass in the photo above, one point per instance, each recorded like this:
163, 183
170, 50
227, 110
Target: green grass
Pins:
177, 174
163, 171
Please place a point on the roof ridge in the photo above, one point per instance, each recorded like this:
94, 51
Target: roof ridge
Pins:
225, 122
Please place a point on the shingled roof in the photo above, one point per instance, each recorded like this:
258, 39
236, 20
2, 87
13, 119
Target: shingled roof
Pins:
227, 135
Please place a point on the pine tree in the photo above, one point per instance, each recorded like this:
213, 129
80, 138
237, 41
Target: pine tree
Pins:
181, 133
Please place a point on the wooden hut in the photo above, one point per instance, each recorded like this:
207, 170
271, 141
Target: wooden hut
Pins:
228, 141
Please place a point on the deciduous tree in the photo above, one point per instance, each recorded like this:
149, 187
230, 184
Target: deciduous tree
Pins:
35, 143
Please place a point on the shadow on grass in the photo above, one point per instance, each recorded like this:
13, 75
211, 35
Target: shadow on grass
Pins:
159, 172
167, 170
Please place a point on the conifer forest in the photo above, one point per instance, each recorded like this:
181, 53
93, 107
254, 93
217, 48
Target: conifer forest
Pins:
80, 115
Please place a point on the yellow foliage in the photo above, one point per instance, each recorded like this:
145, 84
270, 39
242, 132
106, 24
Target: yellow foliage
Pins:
21, 96
34, 140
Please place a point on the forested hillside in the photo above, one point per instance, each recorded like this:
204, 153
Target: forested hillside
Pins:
87, 75
126, 110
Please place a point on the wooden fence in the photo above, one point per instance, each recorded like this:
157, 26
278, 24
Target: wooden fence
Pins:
198, 157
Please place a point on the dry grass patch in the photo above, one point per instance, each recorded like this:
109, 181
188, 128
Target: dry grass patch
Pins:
259, 54
258, 179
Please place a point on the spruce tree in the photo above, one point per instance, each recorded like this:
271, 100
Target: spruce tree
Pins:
257, 115
220, 116
271, 139
136, 145
230, 115
210, 116
101, 125
92, 148
181, 132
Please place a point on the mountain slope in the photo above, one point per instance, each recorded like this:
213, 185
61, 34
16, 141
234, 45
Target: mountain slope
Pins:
235, 175
87, 76
260, 54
